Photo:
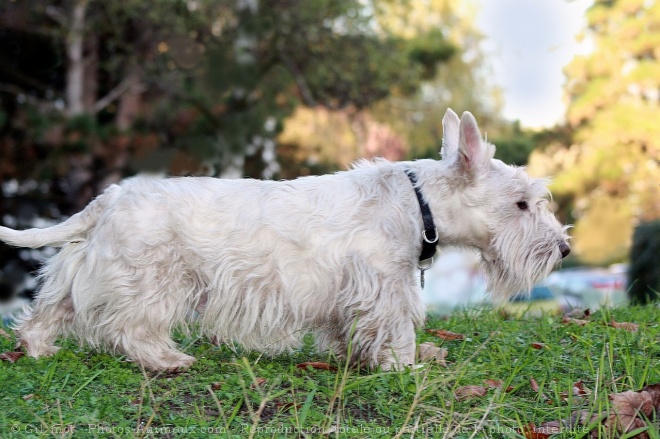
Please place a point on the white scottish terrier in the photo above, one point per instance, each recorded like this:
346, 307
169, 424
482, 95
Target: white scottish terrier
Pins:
264, 262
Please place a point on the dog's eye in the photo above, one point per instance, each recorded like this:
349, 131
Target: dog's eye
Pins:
522, 205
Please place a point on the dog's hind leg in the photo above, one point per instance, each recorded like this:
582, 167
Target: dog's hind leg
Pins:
53, 310
140, 318
40, 326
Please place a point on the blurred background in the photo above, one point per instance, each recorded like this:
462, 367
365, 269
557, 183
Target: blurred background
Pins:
95, 91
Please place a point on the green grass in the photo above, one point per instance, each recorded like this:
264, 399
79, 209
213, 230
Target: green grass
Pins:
88, 394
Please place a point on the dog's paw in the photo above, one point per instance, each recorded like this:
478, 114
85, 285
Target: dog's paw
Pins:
38, 350
182, 366
417, 366
172, 363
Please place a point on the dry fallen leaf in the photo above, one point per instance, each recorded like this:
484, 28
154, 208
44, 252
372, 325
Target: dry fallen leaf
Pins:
531, 431
630, 327
627, 407
497, 384
580, 389
430, 352
578, 322
258, 382
537, 345
12, 356
467, 392
577, 391
287, 405
445, 335
216, 385
316, 365
579, 313
654, 391
581, 418
493, 384
537, 388
504, 314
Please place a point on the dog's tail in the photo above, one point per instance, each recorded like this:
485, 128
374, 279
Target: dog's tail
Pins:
73, 229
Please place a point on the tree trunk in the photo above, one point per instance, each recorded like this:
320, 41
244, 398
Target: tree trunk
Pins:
91, 72
76, 64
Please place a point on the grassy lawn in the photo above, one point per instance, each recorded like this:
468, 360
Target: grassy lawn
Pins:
229, 393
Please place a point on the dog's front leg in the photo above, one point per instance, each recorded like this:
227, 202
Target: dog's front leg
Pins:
401, 351
380, 315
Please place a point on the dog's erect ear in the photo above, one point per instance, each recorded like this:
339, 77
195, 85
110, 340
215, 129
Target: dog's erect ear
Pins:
474, 153
450, 125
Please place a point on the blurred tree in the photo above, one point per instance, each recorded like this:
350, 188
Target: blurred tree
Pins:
325, 53
321, 140
440, 37
610, 174
461, 81
73, 76
235, 70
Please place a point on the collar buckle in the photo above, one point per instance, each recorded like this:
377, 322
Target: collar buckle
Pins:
431, 241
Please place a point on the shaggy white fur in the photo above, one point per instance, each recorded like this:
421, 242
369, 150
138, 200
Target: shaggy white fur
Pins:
264, 262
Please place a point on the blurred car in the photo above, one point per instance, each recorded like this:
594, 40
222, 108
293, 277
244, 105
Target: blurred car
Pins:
594, 287
541, 300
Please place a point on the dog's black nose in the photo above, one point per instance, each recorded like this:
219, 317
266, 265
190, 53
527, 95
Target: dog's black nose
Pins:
564, 249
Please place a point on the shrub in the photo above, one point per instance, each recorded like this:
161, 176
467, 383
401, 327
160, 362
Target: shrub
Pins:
644, 272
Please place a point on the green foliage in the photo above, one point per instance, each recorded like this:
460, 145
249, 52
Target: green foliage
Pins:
80, 132
443, 30
325, 53
644, 270
514, 147
238, 69
431, 49
514, 150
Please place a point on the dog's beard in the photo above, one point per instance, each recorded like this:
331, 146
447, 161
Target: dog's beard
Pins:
505, 282
518, 273
518, 258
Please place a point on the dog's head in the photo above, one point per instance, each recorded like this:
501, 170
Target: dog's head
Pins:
502, 211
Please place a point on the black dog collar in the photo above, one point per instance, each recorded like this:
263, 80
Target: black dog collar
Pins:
430, 234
